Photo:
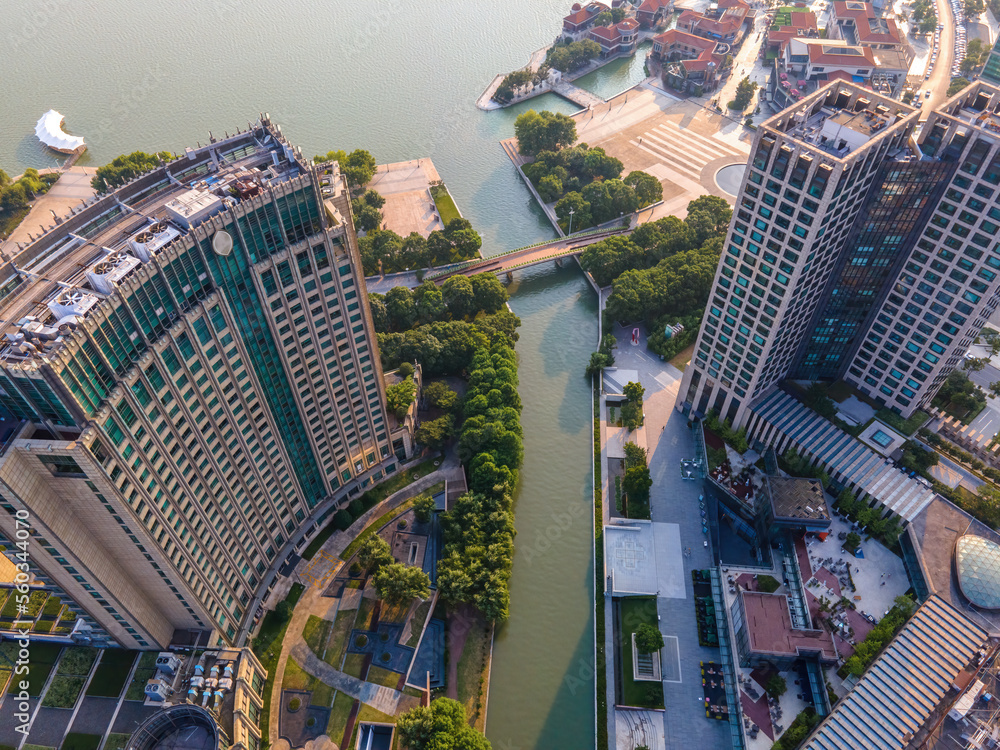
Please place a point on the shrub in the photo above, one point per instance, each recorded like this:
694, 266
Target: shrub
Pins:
294, 704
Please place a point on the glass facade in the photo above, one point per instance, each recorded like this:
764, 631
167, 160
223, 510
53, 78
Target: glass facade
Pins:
886, 228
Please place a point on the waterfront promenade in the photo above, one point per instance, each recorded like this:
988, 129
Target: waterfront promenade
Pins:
72, 189
409, 207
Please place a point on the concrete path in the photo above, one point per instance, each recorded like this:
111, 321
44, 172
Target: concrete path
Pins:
409, 206
70, 191
380, 698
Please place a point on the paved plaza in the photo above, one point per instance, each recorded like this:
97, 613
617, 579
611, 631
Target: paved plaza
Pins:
409, 206
674, 509
72, 189
678, 141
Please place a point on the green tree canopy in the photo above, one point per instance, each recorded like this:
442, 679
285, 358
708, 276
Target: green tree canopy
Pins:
399, 397
441, 726
374, 553
543, 131
648, 638
398, 584
126, 167
435, 433
423, 508
438, 394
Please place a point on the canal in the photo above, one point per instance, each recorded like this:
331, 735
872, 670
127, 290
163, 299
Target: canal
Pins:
399, 79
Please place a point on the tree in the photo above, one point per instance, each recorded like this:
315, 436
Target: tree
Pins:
399, 397
127, 167
400, 308
550, 188
429, 302
435, 433
489, 293
599, 166
423, 508
708, 216
14, 197
459, 296
574, 202
438, 394
975, 364
636, 483
852, 542
441, 726
957, 84
358, 168
744, 94
776, 686
398, 584
374, 553
368, 218
648, 189
648, 639
632, 408
543, 131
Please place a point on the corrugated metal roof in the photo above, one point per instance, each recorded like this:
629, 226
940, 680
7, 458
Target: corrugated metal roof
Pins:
901, 689
846, 458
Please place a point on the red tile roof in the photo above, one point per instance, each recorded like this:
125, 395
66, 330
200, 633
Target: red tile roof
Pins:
821, 54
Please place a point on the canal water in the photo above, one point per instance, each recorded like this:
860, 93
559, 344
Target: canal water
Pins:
400, 79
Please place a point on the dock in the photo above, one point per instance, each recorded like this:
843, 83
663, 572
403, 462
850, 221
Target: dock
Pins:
581, 97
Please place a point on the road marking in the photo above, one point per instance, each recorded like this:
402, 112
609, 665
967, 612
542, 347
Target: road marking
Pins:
671, 151
697, 141
668, 162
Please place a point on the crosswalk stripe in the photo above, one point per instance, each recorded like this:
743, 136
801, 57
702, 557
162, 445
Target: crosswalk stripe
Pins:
680, 175
695, 142
669, 150
703, 140
689, 172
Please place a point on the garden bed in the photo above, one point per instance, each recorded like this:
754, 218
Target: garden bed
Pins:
111, 673
633, 612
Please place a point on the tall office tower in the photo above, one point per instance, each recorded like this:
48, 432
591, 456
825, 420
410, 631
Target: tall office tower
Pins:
193, 370
885, 277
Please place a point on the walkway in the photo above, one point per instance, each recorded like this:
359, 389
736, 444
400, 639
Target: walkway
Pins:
72, 189
316, 575
380, 698
577, 95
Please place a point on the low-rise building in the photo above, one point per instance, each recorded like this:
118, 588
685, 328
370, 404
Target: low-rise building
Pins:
616, 39
581, 17
766, 632
724, 21
651, 13
690, 63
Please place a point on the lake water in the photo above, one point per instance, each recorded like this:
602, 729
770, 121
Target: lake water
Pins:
399, 79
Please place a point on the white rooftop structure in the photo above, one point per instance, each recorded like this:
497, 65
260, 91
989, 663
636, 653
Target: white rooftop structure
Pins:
49, 131
192, 207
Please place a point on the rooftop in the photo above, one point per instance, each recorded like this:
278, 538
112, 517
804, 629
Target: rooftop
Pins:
52, 284
978, 562
769, 627
797, 498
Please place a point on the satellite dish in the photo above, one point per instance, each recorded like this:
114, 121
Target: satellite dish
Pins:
222, 242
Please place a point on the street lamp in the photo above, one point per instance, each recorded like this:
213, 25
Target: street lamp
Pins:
571, 212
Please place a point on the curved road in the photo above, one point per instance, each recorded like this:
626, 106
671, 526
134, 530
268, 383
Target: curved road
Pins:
941, 76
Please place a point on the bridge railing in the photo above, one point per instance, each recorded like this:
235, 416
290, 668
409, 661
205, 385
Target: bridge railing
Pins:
459, 267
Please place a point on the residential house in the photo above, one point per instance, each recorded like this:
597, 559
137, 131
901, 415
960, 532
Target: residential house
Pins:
723, 21
651, 13
789, 26
690, 63
581, 17
617, 39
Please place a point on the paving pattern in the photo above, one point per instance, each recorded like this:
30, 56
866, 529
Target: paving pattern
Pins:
682, 155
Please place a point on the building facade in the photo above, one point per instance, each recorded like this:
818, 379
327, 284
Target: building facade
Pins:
854, 252
193, 369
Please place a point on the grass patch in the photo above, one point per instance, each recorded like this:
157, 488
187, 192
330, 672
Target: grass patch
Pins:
373, 528
77, 660
353, 664
267, 646
10, 219
338, 638
339, 713
471, 664
42, 656
445, 204
78, 741
322, 694
42, 626
116, 741
375, 495
383, 677
367, 713
903, 426
37, 747
365, 611
295, 677
63, 691
111, 673
316, 633
633, 612
52, 607
412, 692
417, 623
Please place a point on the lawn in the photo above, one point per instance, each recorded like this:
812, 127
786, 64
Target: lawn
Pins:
353, 664
338, 638
116, 741
417, 623
111, 673
316, 634
470, 669
63, 691
365, 612
10, 219
903, 426
77, 660
342, 706
296, 678
633, 612
378, 494
77, 741
445, 204
143, 673
383, 677
52, 607
41, 658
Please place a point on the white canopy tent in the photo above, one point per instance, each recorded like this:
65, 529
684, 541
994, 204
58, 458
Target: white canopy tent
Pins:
49, 131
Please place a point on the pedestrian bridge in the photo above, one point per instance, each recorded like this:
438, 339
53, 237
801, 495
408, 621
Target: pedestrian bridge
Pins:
523, 257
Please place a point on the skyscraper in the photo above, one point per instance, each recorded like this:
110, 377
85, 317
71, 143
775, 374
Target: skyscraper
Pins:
193, 372
855, 252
